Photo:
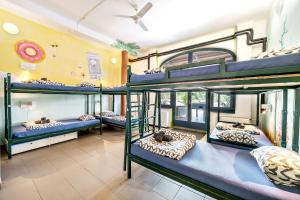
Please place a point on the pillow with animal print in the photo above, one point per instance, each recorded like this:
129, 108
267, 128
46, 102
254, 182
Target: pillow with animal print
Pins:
108, 114
32, 125
253, 130
280, 52
86, 117
280, 165
236, 136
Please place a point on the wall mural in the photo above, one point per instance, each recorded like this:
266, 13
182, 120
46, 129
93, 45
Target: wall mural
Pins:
30, 51
283, 27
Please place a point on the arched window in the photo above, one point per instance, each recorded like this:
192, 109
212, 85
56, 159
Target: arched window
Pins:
198, 55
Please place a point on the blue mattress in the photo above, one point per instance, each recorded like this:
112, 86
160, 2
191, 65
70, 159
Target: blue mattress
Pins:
110, 120
229, 169
264, 63
261, 139
52, 87
21, 132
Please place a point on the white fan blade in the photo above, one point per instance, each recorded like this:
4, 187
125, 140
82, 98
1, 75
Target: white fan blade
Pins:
144, 10
124, 16
143, 26
133, 5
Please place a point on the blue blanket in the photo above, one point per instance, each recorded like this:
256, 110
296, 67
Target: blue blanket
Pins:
52, 87
229, 169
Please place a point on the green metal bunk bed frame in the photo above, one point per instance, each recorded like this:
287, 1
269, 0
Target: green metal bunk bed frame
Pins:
8, 90
113, 93
247, 81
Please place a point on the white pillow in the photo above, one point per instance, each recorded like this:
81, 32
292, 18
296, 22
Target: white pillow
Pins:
281, 165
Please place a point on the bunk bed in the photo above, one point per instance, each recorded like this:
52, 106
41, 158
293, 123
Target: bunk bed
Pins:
19, 139
116, 120
219, 171
260, 136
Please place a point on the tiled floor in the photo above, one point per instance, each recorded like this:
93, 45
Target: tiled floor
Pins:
87, 168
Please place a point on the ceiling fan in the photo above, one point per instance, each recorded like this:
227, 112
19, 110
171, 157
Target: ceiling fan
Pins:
137, 18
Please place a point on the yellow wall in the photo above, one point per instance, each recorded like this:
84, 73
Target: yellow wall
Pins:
70, 54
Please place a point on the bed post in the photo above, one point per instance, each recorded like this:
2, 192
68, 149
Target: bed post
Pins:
218, 107
128, 133
100, 114
154, 112
8, 115
208, 95
143, 113
295, 145
257, 109
113, 103
284, 117
87, 104
159, 110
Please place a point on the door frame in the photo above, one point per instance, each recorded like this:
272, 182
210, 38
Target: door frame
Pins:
188, 123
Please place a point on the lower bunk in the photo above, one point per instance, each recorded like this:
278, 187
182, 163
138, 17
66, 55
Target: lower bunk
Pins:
257, 137
218, 171
23, 139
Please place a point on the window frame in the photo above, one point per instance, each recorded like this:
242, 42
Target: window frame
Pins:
166, 105
230, 109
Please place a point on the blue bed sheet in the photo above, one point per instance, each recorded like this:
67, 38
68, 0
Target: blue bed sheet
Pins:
21, 132
229, 169
53, 87
110, 120
264, 63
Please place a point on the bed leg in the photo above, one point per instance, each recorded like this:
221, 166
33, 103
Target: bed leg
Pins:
125, 154
128, 168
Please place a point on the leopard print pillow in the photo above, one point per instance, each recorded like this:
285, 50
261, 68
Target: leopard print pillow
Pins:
236, 136
280, 165
32, 125
86, 117
175, 149
275, 53
108, 114
229, 126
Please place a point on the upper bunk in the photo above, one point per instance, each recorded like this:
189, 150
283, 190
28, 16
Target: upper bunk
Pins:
221, 72
20, 87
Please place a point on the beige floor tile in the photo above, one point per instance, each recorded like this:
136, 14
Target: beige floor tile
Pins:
12, 170
166, 188
38, 167
24, 190
55, 187
80, 179
147, 179
184, 194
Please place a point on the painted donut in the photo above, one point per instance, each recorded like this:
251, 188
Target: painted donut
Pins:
30, 51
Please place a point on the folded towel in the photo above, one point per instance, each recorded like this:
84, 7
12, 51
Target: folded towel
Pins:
86, 117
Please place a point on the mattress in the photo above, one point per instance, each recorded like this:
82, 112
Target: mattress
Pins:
228, 169
21, 132
52, 87
111, 121
261, 139
264, 63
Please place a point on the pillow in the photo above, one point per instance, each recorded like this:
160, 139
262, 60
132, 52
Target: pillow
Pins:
253, 130
236, 136
280, 52
108, 114
86, 84
86, 117
32, 125
152, 71
280, 165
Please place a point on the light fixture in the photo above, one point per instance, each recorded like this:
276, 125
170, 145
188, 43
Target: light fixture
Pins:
10, 28
113, 60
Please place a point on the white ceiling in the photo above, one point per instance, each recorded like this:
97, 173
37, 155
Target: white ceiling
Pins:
168, 21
